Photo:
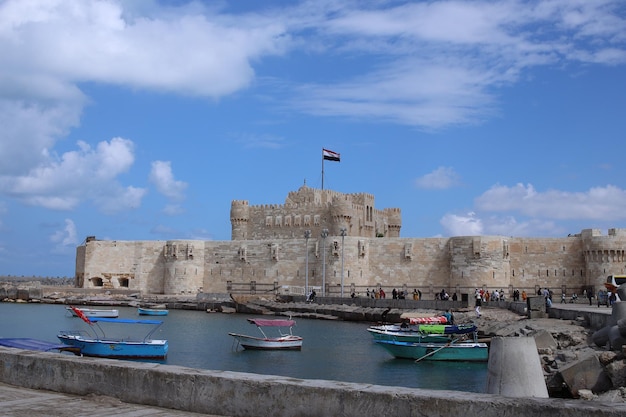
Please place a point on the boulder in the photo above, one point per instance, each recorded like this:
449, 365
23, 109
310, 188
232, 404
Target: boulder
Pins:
601, 337
585, 373
615, 338
545, 341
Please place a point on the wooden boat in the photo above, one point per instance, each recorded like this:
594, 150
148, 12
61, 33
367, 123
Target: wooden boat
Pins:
423, 333
94, 312
452, 351
97, 343
283, 341
144, 311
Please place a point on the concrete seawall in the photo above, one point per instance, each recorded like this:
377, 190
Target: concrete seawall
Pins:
241, 394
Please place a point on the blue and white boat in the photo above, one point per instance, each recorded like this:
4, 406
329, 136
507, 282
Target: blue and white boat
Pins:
121, 346
471, 351
144, 311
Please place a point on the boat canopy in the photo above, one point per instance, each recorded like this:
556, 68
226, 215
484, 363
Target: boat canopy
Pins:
272, 322
31, 344
131, 321
428, 320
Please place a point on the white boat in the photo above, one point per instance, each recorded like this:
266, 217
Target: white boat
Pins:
94, 312
282, 341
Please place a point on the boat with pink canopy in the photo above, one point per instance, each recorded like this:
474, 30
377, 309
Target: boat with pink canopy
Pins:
284, 339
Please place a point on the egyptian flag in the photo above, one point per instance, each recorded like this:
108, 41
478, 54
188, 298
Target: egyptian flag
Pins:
330, 155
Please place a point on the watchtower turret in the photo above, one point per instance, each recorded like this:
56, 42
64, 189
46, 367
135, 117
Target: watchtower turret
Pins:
239, 219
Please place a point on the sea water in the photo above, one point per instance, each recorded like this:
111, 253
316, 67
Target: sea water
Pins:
332, 349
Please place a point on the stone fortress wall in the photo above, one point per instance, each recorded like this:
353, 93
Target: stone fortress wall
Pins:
269, 250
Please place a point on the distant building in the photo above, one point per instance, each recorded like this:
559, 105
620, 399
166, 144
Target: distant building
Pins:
269, 251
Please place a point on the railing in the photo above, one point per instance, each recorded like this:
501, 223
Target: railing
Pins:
430, 292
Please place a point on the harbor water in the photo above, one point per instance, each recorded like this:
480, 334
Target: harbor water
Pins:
332, 350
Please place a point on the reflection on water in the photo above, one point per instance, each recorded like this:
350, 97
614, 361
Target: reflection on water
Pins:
333, 350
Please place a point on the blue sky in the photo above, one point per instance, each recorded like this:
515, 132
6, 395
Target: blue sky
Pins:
143, 120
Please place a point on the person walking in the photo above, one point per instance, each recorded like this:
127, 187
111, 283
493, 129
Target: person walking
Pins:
479, 302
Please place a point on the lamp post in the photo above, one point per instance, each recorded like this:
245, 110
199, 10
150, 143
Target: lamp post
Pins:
307, 235
324, 236
343, 235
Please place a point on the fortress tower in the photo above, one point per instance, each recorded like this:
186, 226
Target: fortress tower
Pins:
315, 210
341, 215
604, 255
239, 219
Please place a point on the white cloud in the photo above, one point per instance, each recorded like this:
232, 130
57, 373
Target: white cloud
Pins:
462, 225
50, 47
30, 129
521, 210
443, 62
189, 50
441, 178
66, 236
472, 224
85, 174
163, 179
598, 203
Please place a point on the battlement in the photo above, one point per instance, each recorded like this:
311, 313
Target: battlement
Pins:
309, 208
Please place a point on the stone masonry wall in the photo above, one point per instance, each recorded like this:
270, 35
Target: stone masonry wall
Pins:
457, 264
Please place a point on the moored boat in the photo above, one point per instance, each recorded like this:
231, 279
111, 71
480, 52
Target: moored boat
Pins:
97, 343
423, 333
283, 341
471, 351
94, 312
144, 311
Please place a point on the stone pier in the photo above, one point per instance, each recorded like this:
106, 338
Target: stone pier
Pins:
249, 395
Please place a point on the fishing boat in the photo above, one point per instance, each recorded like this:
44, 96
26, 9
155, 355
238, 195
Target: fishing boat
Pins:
453, 350
442, 333
282, 341
144, 311
94, 312
96, 342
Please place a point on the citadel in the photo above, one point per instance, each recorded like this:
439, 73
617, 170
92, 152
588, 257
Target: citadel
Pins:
342, 244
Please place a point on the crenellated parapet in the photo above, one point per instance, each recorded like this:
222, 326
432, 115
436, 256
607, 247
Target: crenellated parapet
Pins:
315, 210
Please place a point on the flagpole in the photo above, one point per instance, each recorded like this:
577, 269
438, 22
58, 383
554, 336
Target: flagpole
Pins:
322, 169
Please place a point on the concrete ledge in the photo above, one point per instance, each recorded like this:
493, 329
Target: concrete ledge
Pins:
242, 394
595, 320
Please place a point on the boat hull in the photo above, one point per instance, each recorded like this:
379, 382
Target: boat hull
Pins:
461, 351
115, 349
152, 312
95, 312
278, 343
